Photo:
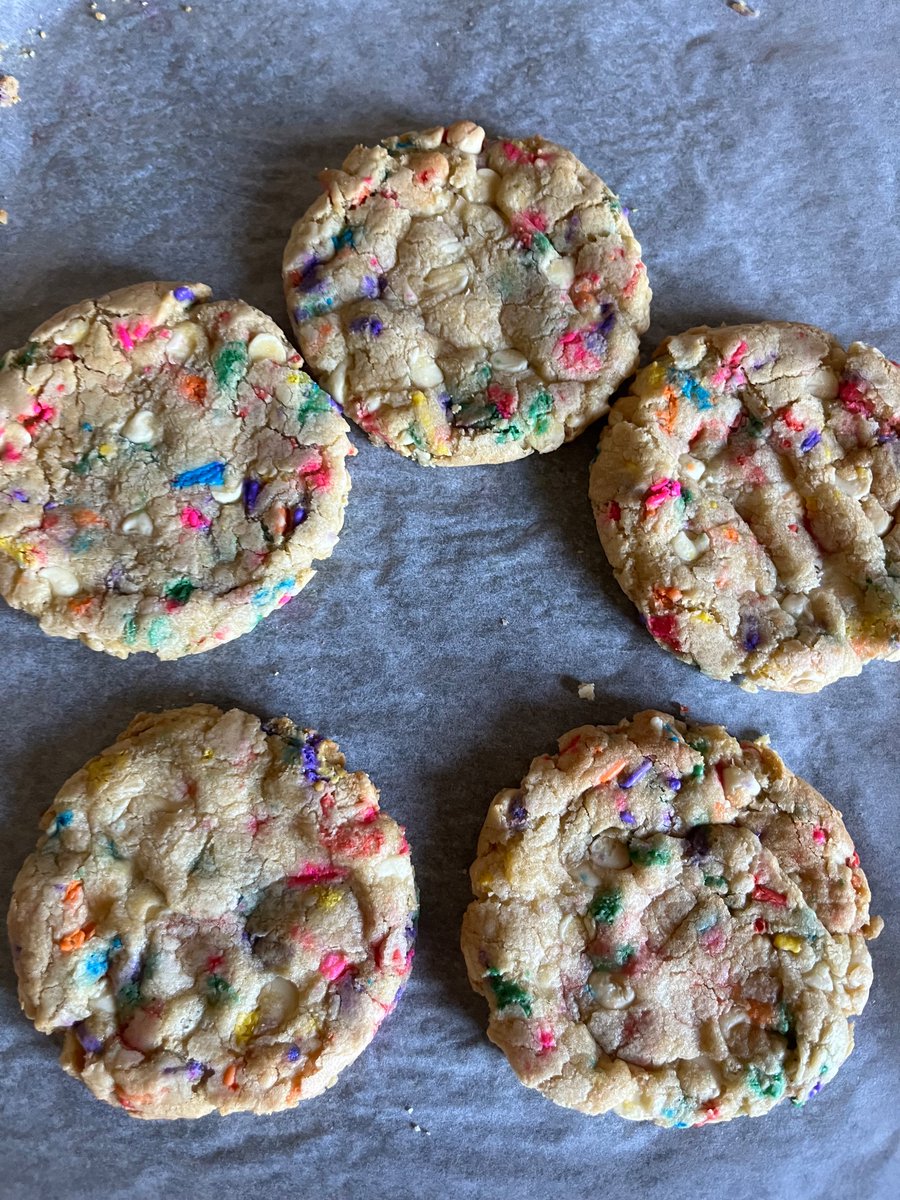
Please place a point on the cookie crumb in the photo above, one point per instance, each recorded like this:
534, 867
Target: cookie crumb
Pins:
586, 691
9, 91
743, 10
409, 1108
4, 216
503, 621
683, 709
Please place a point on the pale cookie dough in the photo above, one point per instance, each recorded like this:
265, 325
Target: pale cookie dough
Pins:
669, 925
747, 493
467, 300
218, 916
168, 473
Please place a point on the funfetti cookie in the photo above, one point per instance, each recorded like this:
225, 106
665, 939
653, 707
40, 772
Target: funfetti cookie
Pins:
467, 300
746, 492
218, 916
168, 473
668, 925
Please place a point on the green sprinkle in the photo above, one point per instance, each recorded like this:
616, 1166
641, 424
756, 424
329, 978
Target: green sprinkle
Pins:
715, 881
509, 435
761, 1084
114, 850
622, 956
179, 590
701, 745
699, 771
129, 630
82, 542
784, 1022
649, 856
541, 244
219, 990
230, 365
538, 411
315, 402
158, 632
606, 906
508, 993
129, 995
27, 355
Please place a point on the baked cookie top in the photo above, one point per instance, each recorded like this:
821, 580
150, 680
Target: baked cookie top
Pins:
746, 493
467, 300
218, 916
669, 925
168, 473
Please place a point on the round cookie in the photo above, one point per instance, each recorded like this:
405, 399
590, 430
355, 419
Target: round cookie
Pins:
669, 925
747, 492
168, 473
218, 916
467, 300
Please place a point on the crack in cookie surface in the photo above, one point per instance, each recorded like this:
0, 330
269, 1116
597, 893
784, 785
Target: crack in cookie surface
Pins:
218, 916
669, 925
747, 492
467, 300
168, 473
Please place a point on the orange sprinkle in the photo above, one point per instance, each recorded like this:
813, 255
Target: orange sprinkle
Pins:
610, 772
296, 1088
72, 891
79, 605
86, 516
730, 534
666, 597
74, 941
229, 1077
760, 1013
194, 388
670, 416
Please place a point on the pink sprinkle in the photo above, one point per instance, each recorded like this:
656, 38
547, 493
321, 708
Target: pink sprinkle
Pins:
819, 835
526, 224
547, 1038
313, 873
283, 600
661, 491
729, 371
505, 402
368, 816
125, 338
333, 966
192, 518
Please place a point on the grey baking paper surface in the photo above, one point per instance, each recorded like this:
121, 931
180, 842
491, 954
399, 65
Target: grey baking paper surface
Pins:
761, 160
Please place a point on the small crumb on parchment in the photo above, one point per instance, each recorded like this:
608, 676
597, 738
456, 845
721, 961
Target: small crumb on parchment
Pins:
586, 691
4, 217
9, 91
743, 10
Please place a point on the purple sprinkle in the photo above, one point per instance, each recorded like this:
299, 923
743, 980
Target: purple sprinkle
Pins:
298, 516
252, 488
751, 634
19, 495
516, 812
674, 783
816, 1088
92, 1044
812, 439
446, 401
293, 1053
626, 817
51, 504
184, 294
194, 1069
637, 774
369, 287
626, 211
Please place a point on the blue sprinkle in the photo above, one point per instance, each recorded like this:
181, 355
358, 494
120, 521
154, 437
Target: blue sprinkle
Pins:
674, 783
812, 439
637, 774
210, 473
298, 516
362, 324
293, 1053
184, 294
344, 238
627, 818
64, 818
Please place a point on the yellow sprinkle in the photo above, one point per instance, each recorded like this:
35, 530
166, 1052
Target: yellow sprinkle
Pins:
245, 1027
207, 753
100, 769
787, 941
655, 375
293, 377
328, 898
436, 432
107, 450
24, 555
702, 616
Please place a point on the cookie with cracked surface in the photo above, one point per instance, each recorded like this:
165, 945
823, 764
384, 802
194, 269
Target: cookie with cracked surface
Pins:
467, 300
218, 916
668, 924
168, 473
747, 494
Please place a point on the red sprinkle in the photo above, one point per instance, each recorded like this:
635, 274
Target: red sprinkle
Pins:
760, 925
853, 860
768, 896
613, 511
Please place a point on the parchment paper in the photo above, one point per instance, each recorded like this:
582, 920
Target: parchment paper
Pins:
761, 160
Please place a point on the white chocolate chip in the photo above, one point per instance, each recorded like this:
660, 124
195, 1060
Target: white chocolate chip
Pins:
588, 876
277, 1003
880, 518
142, 427
60, 580
688, 548
609, 993
740, 784
138, 522
561, 272
795, 604
424, 371
227, 493
854, 482
336, 382
266, 345
690, 466
819, 977
466, 136
185, 341
71, 333
657, 724
394, 866
483, 187
729, 1020
446, 281
607, 852
426, 139
508, 361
